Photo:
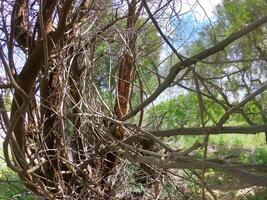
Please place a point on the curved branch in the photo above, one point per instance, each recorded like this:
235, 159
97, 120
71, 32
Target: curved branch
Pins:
31, 69
175, 69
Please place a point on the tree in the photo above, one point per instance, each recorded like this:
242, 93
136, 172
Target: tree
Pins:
88, 76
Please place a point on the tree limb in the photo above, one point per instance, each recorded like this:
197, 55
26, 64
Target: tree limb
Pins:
175, 69
212, 130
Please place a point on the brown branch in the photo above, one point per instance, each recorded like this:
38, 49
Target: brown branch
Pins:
31, 69
19, 25
126, 73
47, 14
212, 130
235, 108
175, 69
189, 163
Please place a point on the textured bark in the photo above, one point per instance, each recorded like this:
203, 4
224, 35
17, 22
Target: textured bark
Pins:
47, 13
125, 78
21, 31
76, 143
126, 69
126, 72
26, 81
52, 131
29, 74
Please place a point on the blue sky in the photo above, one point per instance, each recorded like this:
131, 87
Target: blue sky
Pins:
193, 16
193, 19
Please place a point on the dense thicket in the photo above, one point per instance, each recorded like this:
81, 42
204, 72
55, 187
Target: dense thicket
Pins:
85, 76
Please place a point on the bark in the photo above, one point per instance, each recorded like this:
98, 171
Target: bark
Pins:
126, 72
50, 178
19, 23
28, 75
52, 128
77, 143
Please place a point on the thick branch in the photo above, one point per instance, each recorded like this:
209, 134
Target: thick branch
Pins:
187, 163
175, 69
31, 69
21, 32
212, 130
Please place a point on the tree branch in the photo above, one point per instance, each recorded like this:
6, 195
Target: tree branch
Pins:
212, 130
175, 69
189, 163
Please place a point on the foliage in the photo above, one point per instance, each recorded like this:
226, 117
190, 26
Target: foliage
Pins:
11, 188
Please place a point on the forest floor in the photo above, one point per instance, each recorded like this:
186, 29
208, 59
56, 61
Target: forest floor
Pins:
235, 148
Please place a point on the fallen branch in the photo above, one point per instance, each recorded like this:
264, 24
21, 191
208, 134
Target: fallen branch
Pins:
213, 130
